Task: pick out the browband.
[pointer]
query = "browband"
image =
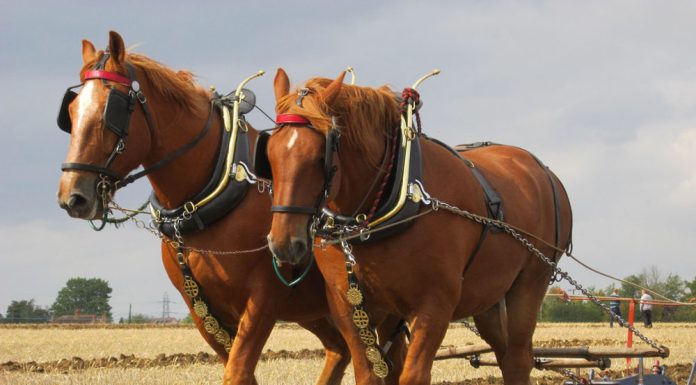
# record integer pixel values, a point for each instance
(291, 119)
(106, 75)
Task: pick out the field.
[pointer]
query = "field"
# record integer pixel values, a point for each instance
(178, 355)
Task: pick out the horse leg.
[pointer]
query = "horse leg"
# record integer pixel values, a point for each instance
(428, 329)
(336, 349)
(254, 328)
(492, 325)
(523, 302)
(389, 332)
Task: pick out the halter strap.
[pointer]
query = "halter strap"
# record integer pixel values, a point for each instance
(291, 119)
(107, 75)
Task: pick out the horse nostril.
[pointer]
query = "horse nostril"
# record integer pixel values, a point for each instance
(299, 247)
(76, 200)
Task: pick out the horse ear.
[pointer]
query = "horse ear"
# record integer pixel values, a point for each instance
(88, 51)
(329, 93)
(116, 47)
(281, 84)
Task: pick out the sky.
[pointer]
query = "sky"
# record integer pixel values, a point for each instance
(604, 92)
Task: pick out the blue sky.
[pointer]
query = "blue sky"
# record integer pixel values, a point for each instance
(603, 92)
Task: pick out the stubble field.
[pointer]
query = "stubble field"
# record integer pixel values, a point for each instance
(178, 355)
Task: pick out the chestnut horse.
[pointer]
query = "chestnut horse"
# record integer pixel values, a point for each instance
(420, 274)
(240, 289)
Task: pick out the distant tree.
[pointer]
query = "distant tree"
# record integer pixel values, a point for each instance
(140, 319)
(87, 295)
(187, 320)
(26, 312)
(692, 288)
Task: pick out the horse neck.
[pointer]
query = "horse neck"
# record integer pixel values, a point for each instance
(359, 167)
(184, 176)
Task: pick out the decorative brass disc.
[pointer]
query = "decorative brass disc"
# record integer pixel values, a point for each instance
(190, 287)
(360, 318)
(354, 295)
(200, 308)
(373, 354)
(367, 337)
(223, 337)
(380, 369)
(211, 325)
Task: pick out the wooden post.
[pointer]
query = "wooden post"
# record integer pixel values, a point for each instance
(629, 338)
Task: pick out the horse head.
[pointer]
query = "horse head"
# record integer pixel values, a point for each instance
(108, 132)
(303, 170)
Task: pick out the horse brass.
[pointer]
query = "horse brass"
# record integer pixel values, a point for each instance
(190, 287)
(354, 295)
(367, 337)
(211, 325)
(380, 369)
(200, 308)
(373, 355)
(360, 318)
(223, 338)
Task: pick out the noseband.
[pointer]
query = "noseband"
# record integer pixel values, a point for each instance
(329, 167)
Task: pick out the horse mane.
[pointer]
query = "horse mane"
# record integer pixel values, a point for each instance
(365, 115)
(176, 87)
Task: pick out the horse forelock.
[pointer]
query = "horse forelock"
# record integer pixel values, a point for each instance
(175, 87)
(365, 115)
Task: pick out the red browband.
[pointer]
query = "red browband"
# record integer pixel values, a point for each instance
(106, 75)
(291, 119)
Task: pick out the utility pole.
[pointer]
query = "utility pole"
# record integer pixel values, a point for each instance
(130, 306)
(165, 306)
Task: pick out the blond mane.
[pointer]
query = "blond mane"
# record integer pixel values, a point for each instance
(365, 115)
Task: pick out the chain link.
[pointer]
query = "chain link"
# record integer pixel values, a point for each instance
(153, 229)
(471, 327)
(437, 204)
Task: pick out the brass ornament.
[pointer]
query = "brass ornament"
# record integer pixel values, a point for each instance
(240, 175)
(190, 287)
(354, 295)
(211, 325)
(373, 354)
(416, 194)
(367, 337)
(360, 318)
(223, 338)
(200, 308)
(380, 368)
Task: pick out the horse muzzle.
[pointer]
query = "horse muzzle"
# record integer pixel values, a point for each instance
(78, 198)
(292, 252)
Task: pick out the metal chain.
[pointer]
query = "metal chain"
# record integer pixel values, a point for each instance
(152, 228)
(437, 204)
(471, 327)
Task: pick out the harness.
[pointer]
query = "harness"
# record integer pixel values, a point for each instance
(226, 188)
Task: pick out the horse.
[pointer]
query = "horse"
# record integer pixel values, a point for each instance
(176, 137)
(331, 150)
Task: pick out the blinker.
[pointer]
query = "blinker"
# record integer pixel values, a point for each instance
(64, 122)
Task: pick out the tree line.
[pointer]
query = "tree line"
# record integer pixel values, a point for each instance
(79, 295)
(555, 309)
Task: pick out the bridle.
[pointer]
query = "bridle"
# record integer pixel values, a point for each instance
(117, 113)
(330, 168)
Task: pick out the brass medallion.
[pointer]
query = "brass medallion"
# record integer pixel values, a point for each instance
(373, 354)
(211, 325)
(223, 337)
(380, 368)
(367, 337)
(360, 318)
(190, 287)
(354, 295)
(200, 308)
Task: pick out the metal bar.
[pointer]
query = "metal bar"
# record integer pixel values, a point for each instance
(599, 352)
(555, 363)
(692, 374)
(589, 353)
(461, 352)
